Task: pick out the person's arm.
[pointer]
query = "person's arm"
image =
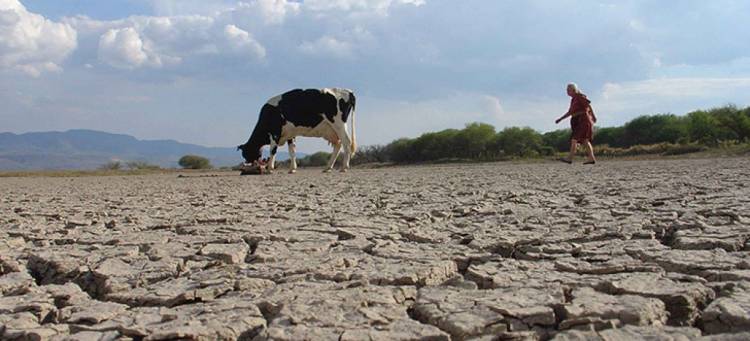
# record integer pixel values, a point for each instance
(571, 114)
(563, 117)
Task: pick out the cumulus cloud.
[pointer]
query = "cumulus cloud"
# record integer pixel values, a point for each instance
(188, 7)
(241, 42)
(156, 42)
(673, 88)
(232, 31)
(124, 48)
(31, 43)
(271, 11)
(377, 6)
(493, 106)
(328, 46)
(343, 45)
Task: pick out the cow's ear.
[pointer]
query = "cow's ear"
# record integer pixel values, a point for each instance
(240, 146)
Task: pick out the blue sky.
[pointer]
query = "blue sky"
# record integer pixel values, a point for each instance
(198, 71)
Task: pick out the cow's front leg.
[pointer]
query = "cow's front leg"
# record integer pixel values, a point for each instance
(272, 159)
(334, 156)
(292, 157)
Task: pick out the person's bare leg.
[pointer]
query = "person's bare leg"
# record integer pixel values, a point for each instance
(590, 150)
(573, 148)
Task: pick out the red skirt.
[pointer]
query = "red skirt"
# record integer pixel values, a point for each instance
(583, 128)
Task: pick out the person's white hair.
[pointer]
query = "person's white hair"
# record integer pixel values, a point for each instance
(575, 88)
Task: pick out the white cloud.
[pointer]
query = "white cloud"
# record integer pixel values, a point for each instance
(220, 29)
(241, 42)
(274, 10)
(124, 48)
(343, 45)
(183, 7)
(156, 42)
(30, 43)
(672, 88)
(377, 6)
(328, 46)
(271, 11)
(493, 106)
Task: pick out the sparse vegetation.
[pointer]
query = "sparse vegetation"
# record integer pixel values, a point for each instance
(112, 165)
(724, 130)
(134, 165)
(653, 149)
(194, 162)
(319, 159)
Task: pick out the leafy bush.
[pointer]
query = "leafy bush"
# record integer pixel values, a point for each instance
(402, 151)
(194, 162)
(141, 165)
(518, 142)
(473, 142)
(646, 130)
(371, 154)
(612, 136)
(558, 139)
(318, 159)
(112, 165)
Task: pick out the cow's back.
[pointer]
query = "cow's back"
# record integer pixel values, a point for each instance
(303, 107)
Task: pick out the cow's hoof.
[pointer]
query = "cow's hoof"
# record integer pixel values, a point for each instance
(344, 170)
(292, 171)
(327, 170)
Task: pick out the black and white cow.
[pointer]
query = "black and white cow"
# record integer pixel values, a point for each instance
(311, 112)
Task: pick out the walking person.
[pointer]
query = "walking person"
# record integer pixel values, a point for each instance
(582, 121)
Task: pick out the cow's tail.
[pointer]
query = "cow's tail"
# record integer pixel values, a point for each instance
(354, 137)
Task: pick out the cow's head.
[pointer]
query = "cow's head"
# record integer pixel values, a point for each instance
(250, 153)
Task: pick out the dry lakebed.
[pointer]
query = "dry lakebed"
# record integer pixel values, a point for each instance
(622, 250)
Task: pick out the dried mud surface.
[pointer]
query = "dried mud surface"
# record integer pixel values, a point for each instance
(622, 250)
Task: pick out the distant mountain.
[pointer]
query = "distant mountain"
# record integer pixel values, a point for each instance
(89, 149)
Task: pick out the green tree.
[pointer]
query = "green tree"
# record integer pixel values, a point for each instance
(518, 142)
(611, 136)
(194, 162)
(371, 154)
(558, 139)
(401, 150)
(647, 130)
(473, 142)
(734, 123)
(435, 146)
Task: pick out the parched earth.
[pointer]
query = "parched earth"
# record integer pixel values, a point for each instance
(622, 250)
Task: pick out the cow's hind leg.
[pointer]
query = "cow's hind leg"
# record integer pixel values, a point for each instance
(272, 159)
(292, 157)
(346, 143)
(334, 156)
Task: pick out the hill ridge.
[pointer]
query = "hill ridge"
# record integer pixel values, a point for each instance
(90, 149)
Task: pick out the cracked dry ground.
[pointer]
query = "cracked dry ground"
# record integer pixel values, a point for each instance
(622, 250)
